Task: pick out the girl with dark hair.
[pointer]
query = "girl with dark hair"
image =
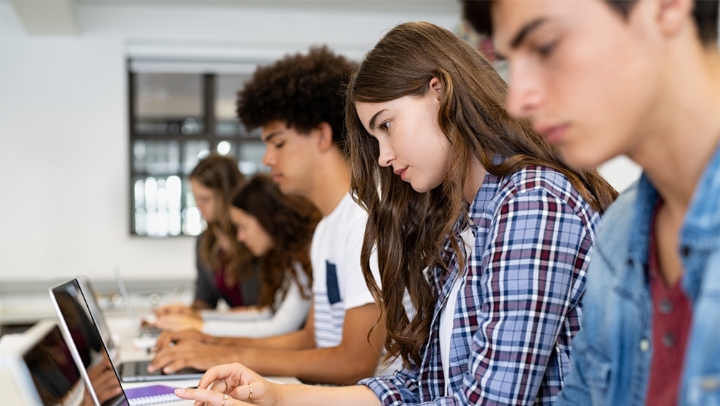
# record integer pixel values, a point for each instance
(474, 216)
(225, 268)
(277, 230)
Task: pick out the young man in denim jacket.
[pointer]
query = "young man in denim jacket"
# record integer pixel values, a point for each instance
(602, 78)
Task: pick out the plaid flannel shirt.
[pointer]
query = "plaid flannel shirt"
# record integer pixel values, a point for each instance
(518, 307)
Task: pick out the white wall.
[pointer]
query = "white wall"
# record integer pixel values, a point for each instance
(64, 135)
(64, 131)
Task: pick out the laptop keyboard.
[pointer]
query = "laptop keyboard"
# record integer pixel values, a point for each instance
(139, 368)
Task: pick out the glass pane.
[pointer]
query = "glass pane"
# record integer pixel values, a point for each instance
(168, 103)
(227, 128)
(156, 157)
(230, 128)
(193, 152)
(192, 223)
(250, 158)
(227, 148)
(157, 206)
(226, 90)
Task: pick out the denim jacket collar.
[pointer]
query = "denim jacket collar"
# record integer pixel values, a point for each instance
(699, 233)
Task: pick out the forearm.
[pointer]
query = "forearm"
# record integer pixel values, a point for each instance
(298, 340)
(306, 395)
(334, 365)
(252, 329)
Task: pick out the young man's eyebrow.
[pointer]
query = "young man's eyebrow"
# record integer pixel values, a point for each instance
(374, 118)
(520, 37)
(270, 136)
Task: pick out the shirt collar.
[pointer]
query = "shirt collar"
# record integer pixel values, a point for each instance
(701, 226)
(484, 196)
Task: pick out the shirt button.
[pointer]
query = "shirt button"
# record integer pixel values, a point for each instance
(665, 306)
(668, 340)
(644, 345)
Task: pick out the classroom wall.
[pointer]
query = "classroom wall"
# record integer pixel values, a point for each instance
(63, 124)
(64, 132)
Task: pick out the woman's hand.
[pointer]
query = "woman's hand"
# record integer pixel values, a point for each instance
(241, 385)
(178, 322)
(173, 338)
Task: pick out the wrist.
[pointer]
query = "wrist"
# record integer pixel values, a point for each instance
(239, 355)
(236, 341)
(279, 393)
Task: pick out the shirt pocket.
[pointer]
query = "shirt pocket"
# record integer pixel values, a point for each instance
(704, 391)
(597, 376)
(331, 279)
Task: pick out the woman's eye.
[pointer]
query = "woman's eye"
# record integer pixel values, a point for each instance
(385, 126)
(546, 50)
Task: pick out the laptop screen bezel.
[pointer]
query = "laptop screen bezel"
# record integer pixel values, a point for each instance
(71, 342)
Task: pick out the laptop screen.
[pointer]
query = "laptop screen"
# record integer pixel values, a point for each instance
(87, 345)
(53, 370)
(95, 312)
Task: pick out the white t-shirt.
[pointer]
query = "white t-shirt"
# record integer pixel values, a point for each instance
(338, 282)
(447, 314)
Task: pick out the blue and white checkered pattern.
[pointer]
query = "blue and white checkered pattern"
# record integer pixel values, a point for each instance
(519, 303)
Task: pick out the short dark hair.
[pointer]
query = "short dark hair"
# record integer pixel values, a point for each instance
(705, 14)
(302, 90)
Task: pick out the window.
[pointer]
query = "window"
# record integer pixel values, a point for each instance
(176, 119)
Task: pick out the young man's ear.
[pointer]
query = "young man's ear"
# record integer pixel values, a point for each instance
(674, 15)
(325, 139)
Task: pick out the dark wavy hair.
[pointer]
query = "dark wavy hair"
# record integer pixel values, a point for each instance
(705, 15)
(290, 221)
(302, 90)
(221, 174)
(408, 228)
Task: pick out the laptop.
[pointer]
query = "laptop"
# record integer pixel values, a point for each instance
(38, 365)
(146, 331)
(45, 371)
(86, 343)
(96, 313)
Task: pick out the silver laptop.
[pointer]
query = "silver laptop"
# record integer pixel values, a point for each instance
(96, 313)
(41, 368)
(86, 343)
(146, 330)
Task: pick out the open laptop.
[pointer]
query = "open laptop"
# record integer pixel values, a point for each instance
(146, 330)
(39, 367)
(96, 313)
(87, 345)
(47, 374)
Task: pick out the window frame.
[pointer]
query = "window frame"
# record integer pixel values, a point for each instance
(209, 134)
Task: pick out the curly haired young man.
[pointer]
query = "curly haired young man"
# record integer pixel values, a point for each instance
(298, 103)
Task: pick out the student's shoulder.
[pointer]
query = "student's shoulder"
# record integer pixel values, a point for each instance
(346, 222)
(349, 213)
(618, 218)
(540, 180)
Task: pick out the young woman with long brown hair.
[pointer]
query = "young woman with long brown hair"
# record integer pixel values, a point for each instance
(473, 215)
(225, 268)
(277, 230)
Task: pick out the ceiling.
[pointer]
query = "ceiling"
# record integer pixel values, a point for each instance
(58, 16)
